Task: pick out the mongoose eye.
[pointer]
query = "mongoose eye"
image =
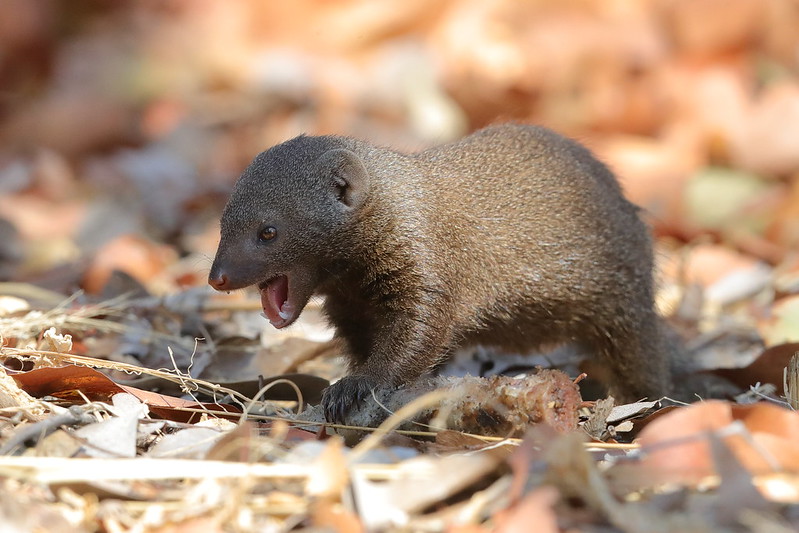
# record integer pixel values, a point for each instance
(267, 234)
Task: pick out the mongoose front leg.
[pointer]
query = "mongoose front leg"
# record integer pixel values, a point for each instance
(402, 348)
(345, 394)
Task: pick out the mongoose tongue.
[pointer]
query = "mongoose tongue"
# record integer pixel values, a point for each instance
(274, 300)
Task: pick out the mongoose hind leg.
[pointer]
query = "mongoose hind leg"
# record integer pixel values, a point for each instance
(633, 353)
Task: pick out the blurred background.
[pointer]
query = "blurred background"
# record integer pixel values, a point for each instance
(124, 124)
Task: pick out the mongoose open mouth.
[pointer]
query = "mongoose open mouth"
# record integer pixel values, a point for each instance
(275, 302)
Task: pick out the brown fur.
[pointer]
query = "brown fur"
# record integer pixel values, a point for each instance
(514, 236)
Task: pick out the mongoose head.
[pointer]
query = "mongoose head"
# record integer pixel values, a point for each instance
(284, 222)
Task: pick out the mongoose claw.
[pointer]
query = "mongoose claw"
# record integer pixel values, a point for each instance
(340, 397)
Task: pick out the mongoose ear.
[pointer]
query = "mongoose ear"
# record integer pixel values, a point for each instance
(348, 177)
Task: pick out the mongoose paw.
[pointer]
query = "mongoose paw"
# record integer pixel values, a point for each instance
(343, 395)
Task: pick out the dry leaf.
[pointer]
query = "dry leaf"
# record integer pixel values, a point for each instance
(677, 447)
(535, 508)
(65, 382)
(140, 258)
(768, 367)
(330, 473)
(116, 435)
(783, 324)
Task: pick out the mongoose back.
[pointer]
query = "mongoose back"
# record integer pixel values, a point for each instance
(514, 236)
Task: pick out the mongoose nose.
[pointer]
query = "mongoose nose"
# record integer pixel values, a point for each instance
(219, 282)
